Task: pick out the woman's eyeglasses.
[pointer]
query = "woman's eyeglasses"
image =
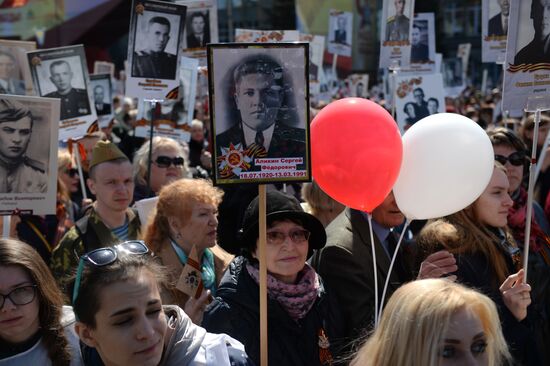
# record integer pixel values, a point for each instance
(165, 161)
(278, 237)
(71, 172)
(105, 256)
(517, 158)
(19, 296)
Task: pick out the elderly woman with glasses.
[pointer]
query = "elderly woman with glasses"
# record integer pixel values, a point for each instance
(168, 163)
(303, 328)
(121, 319)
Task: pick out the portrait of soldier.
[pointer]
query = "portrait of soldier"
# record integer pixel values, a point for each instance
(9, 83)
(74, 102)
(419, 50)
(199, 34)
(260, 97)
(538, 50)
(153, 61)
(18, 172)
(340, 32)
(397, 26)
(99, 97)
(498, 24)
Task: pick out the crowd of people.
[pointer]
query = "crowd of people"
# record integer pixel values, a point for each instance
(96, 284)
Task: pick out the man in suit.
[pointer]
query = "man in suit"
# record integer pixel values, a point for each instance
(340, 32)
(260, 91)
(153, 62)
(101, 108)
(498, 24)
(420, 105)
(538, 50)
(397, 26)
(74, 102)
(199, 35)
(345, 263)
(9, 85)
(419, 51)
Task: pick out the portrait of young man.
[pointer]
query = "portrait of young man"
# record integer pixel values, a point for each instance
(419, 50)
(538, 50)
(153, 61)
(101, 107)
(340, 34)
(397, 26)
(198, 30)
(9, 81)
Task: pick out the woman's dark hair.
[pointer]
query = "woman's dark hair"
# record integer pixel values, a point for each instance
(94, 279)
(50, 297)
(506, 137)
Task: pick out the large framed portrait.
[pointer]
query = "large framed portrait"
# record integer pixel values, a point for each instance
(63, 73)
(154, 49)
(259, 100)
(29, 185)
(494, 29)
(527, 55)
(340, 32)
(15, 74)
(101, 87)
(396, 27)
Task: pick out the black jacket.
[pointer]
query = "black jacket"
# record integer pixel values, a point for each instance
(235, 311)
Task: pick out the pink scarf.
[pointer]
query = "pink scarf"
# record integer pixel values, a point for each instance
(297, 299)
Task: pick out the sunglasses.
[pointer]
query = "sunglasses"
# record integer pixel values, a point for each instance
(105, 256)
(517, 158)
(165, 161)
(19, 296)
(71, 172)
(278, 237)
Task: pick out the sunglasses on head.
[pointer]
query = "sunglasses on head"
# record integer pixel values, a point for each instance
(165, 161)
(105, 256)
(71, 172)
(517, 158)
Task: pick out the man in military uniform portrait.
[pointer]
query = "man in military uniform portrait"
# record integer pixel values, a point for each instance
(153, 62)
(419, 50)
(101, 107)
(18, 172)
(74, 102)
(397, 26)
(260, 89)
(9, 84)
(340, 35)
(199, 35)
(538, 50)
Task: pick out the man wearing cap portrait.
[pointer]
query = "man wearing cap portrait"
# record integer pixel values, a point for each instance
(18, 172)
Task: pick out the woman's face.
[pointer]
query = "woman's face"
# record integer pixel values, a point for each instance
(513, 172)
(465, 342)
(410, 110)
(286, 259)
(161, 175)
(130, 323)
(201, 228)
(491, 208)
(69, 177)
(18, 322)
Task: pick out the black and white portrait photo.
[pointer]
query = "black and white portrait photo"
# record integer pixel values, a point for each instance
(396, 27)
(340, 32)
(15, 76)
(398, 20)
(197, 29)
(420, 52)
(533, 46)
(101, 87)
(28, 148)
(259, 100)
(498, 23)
(495, 17)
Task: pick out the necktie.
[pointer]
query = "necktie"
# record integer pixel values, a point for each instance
(259, 139)
(505, 25)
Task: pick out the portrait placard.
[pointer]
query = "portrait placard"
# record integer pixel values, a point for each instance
(15, 73)
(104, 67)
(100, 85)
(422, 46)
(260, 112)
(29, 185)
(396, 27)
(453, 76)
(63, 73)
(201, 26)
(259, 36)
(527, 54)
(495, 19)
(316, 51)
(359, 85)
(340, 32)
(418, 97)
(154, 49)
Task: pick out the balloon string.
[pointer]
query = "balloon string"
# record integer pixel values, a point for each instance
(407, 222)
(375, 270)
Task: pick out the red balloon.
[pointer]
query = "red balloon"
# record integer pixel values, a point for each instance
(356, 152)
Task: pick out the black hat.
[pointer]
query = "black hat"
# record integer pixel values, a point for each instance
(280, 206)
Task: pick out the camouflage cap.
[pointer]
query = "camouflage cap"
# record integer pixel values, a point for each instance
(12, 110)
(106, 151)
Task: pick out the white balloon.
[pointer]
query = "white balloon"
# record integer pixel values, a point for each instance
(447, 163)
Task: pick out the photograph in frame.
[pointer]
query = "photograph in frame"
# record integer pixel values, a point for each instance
(396, 27)
(495, 20)
(527, 55)
(100, 85)
(63, 73)
(15, 74)
(201, 26)
(359, 85)
(154, 49)
(340, 32)
(422, 60)
(260, 112)
(29, 185)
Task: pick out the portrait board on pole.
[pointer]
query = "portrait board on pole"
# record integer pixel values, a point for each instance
(15, 73)
(101, 88)
(453, 76)
(396, 27)
(201, 26)
(527, 54)
(29, 184)
(358, 85)
(63, 73)
(422, 46)
(260, 112)
(495, 19)
(154, 49)
(340, 32)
